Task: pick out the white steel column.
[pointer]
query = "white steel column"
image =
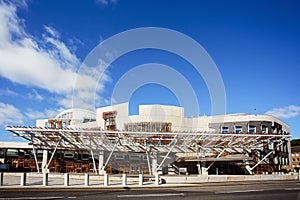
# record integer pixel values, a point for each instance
(34, 154)
(94, 163)
(101, 162)
(53, 153)
(215, 159)
(154, 163)
(148, 161)
(162, 162)
(107, 161)
(45, 161)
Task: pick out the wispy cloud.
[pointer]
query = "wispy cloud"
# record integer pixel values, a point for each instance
(52, 31)
(46, 63)
(35, 95)
(10, 115)
(106, 2)
(285, 112)
(8, 92)
(47, 113)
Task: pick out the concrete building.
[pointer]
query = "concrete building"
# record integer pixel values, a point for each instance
(295, 158)
(160, 138)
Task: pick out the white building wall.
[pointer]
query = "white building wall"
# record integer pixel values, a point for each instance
(41, 122)
(122, 115)
(175, 115)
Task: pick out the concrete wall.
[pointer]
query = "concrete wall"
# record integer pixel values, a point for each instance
(175, 115)
(226, 178)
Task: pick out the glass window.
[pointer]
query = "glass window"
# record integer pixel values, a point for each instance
(134, 157)
(119, 157)
(238, 129)
(264, 129)
(251, 129)
(224, 129)
(12, 152)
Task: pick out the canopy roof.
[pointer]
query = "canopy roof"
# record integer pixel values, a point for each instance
(160, 142)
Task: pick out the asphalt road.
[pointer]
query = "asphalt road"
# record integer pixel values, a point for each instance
(255, 190)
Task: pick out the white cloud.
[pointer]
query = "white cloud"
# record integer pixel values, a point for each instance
(48, 113)
(10, 115)
(35, 95)
(52, 31)
(25, 61)
(285, 112)
(8, 92)
(48, 63)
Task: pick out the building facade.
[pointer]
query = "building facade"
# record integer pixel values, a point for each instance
(231, 153)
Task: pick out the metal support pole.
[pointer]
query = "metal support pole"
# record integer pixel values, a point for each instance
(109, 156)
(101, 162)
(141, 179)
(67, 180)
(45, 179)
(86, 180)
(1, 178)
(23, 179)
(162, 162)
(215, 159)
(47, 166)
(35, 157)
(106, 180)
(148, 161)
(94, 163)
(154, 163)
(44, 162)
(261, 160)
(124, 180)
(156, 179)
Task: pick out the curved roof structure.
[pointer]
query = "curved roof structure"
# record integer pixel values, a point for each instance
(77, 114)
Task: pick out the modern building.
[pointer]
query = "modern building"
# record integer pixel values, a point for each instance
(159, 138)
(295, 158)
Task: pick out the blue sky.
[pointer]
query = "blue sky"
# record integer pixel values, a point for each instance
(254, 44)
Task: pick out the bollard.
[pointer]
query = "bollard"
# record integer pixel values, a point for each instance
(45, 179)
(141, 179)
(86, 179)
(23, 179)
(66, 183)
(157, 179)
(1, 178)
(124, 180)
(106, 180)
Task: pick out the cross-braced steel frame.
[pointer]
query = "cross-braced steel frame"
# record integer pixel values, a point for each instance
(204, 143)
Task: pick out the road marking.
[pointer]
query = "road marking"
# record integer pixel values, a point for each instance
(292, 189)
(150, 195)
(29, 198)
(238, 191)
(72, 197)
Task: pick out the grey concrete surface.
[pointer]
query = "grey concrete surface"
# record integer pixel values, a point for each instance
(266, 190)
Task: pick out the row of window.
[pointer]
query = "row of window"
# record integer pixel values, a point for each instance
(239, 129)
(131, 157)
(296, 159)
(149, 126)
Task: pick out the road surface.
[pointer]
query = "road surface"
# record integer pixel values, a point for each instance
(210, 191)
